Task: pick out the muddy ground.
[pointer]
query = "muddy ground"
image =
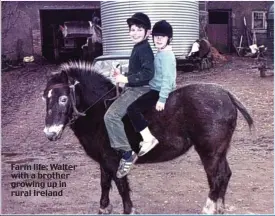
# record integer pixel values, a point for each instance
(178, 186)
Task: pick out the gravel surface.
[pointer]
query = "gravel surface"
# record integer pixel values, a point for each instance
(177, 186)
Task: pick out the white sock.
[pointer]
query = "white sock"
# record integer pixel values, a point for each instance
(146, 134)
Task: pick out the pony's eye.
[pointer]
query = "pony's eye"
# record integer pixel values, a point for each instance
(63, 99)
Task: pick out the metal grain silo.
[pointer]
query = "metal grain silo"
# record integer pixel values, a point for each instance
(183, 16)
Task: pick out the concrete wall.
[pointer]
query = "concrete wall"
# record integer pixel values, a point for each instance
(22, 30)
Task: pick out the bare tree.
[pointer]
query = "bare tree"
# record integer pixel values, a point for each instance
(10, 15)
(203, 24)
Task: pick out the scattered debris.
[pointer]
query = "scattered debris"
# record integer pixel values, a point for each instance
(28, 59)
(217, 57)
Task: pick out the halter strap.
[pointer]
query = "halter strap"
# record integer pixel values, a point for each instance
(76, 113)
(58, 85)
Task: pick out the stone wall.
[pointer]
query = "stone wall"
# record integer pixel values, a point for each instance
(241, 9)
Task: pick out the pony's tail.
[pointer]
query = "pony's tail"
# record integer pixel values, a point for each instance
(243, 110)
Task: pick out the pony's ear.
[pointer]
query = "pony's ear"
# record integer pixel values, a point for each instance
(64, 77)
(71, 80)
(67, 79)
(43, 95)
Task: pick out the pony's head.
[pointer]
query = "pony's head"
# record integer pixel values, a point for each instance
(58, 105)
(76, 86)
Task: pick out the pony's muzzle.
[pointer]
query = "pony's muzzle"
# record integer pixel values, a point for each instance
(52, 136)
(53, 132)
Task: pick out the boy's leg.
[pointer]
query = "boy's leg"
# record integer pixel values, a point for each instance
(143, 103)
(115, 127)
(115, 113)
(148, 143)
(140, 124)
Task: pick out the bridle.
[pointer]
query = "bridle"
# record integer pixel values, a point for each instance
(76, 114)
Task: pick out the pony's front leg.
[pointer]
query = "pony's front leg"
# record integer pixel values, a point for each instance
(110, 167)
(105, 182)
(124, 191)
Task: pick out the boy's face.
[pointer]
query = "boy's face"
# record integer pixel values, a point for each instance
(137, 34)
(160, 41)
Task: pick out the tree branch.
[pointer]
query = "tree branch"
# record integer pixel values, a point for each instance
(10, 16)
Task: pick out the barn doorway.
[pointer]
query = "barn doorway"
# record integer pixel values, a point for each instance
(220, 29)
(50, 20)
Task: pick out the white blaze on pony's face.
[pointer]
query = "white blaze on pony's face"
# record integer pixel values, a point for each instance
(50, 93)
(54, 129)
(58, 108)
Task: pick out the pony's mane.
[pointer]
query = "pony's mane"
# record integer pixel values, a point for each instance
(83, 72)
(92, 82)
(77, 68)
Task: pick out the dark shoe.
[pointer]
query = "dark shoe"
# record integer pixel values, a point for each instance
(126, 164)
(147, 146)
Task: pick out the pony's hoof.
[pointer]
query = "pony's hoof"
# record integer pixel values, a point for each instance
(107, 210)
(210, 207)
(220, 207)
(208, 211)
(220, 211)
(134, 211)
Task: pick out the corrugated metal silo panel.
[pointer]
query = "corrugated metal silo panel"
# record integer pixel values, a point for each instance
(182, 15)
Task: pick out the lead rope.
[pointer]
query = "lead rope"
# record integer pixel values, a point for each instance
(77, 114)
(117, 88)
(114, 98)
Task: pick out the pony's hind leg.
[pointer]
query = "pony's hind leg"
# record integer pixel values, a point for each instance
(105, 182)
(225, 177)
(218, 175)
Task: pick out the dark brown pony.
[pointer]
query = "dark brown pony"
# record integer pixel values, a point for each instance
(203, 115)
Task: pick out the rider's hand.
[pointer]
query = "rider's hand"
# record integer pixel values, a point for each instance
(116, 72)
(160, 106)
(121, 79)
